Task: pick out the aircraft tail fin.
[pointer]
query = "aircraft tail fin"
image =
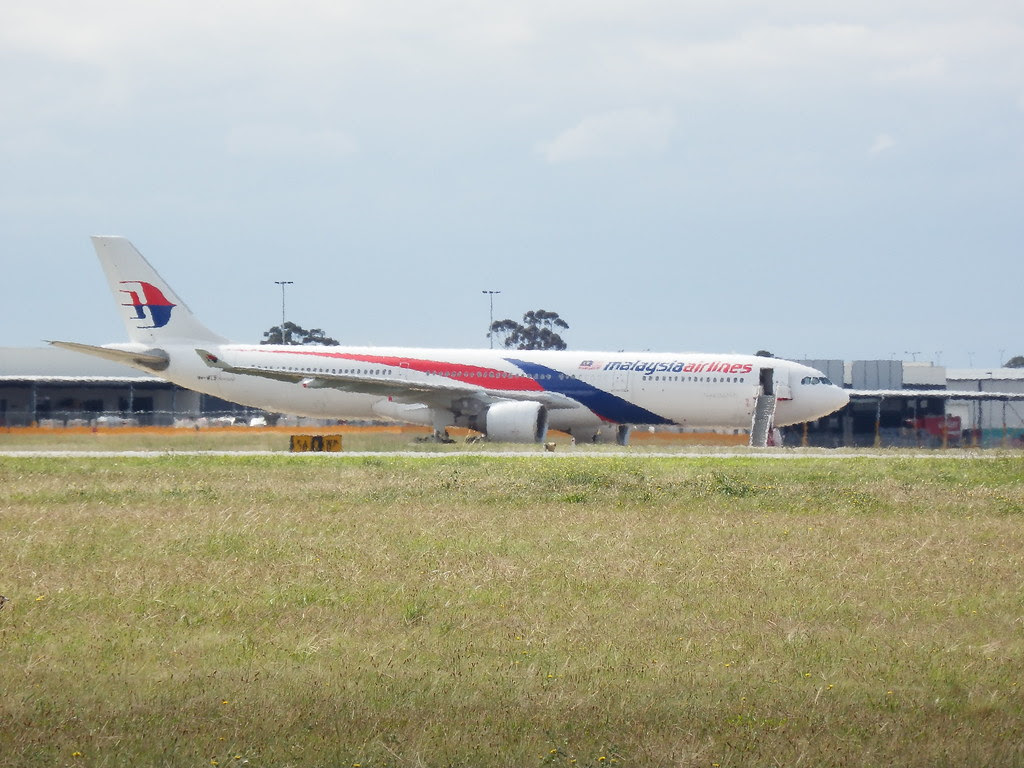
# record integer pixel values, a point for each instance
(151, 310)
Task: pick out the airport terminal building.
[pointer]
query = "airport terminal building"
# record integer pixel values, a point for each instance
(909, 405)
(56, 387)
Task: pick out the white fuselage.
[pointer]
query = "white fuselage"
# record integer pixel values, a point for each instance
(688, 390)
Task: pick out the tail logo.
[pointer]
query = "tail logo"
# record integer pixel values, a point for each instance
(151, 298)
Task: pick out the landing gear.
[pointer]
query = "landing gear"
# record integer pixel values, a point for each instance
(617, 433)
(438, 436)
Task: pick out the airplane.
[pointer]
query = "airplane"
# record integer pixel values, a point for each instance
(507, 395)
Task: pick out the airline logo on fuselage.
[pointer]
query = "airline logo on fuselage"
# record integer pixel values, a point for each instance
(151, 299)
(648, 368)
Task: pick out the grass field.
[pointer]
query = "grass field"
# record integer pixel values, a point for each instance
(469, 611)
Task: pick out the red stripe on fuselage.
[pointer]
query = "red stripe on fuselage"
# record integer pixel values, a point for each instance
(489, 378)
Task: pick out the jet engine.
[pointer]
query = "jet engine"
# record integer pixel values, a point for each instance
(516, 422)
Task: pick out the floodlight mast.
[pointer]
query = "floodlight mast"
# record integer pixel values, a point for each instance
(283, 283)
(490, 333)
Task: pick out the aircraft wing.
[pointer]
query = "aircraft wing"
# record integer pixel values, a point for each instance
(438, 392)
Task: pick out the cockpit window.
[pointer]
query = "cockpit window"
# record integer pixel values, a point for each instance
(816, 380)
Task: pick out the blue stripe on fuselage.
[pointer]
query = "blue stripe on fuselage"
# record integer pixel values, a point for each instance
(606, 405)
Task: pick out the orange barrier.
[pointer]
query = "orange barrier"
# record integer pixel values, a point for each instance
(241, 429)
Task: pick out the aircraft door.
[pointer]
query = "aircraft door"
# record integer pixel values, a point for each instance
(783, 390)
(775, 382)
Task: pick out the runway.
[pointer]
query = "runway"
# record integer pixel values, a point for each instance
(757, 454)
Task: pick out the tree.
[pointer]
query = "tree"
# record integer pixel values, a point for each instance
(1017, 361)
(763, 353)
(296, 335)
(537, 331)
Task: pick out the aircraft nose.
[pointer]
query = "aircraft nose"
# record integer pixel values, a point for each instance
(840, 397)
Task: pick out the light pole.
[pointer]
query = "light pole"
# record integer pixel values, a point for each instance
(490, 295)
(283, 283)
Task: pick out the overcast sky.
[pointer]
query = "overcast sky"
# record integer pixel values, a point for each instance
(666, 175)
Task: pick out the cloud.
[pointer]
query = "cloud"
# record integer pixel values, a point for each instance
(976, 52)
(290, 141)
(883, 143)
(619, 133)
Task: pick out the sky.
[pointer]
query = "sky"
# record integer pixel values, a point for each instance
(822, 180)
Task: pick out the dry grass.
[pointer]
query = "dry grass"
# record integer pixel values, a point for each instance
(471, 611)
